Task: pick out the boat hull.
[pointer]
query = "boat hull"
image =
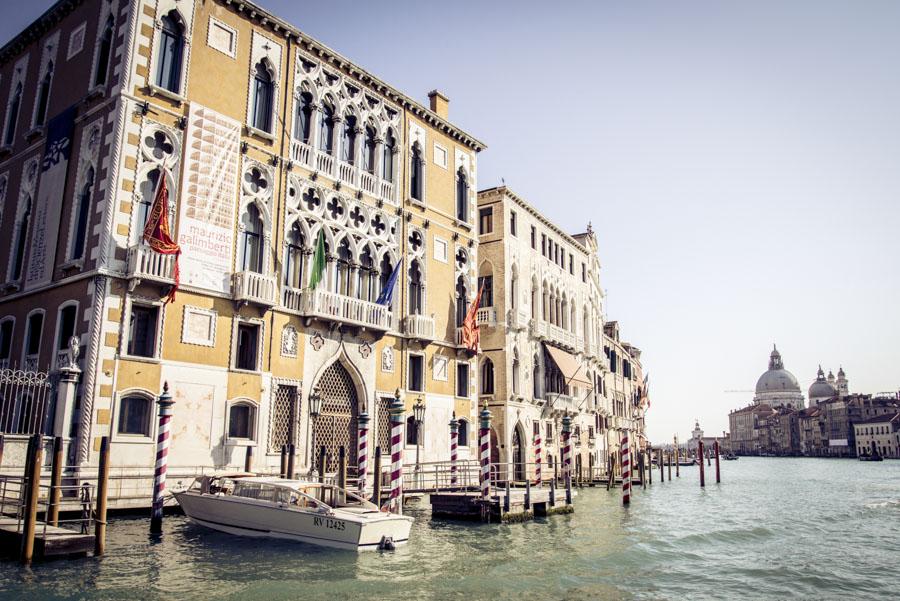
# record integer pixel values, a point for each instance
(246, 517)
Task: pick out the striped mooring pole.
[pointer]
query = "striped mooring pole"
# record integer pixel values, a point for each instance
(454, 441)
(626, 469)
(538, 480)
(165, 403)
(567, 445)
(395, 503)
(362, 453)
(485, 449)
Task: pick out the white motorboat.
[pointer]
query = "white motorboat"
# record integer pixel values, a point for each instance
(320, 514)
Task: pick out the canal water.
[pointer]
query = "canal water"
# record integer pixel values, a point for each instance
(774, 529)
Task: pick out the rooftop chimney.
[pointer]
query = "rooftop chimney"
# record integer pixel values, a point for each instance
(438, 103)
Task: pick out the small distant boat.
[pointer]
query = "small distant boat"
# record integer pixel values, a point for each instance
(729, 457)
(875, 457)
(320, 514)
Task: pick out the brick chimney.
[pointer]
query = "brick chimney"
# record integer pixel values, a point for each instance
(438, 103)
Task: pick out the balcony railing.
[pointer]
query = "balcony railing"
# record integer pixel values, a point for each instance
(146, 264)
(331, 306)
(562, 403)
(486, 316)
(252, 287)
(419, 326)
(351, 175)
(31, 363)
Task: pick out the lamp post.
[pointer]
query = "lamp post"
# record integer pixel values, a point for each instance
(315, 408)
(419, 416)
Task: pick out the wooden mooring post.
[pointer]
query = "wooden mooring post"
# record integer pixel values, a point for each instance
(32, 490)
(102, 493)
(650, 466)
(677, 470)
(718, 475)
(283, 468)
(248, 460)
(527, 494)
(669, 456)
(609, 472)
(342, 467)
(292, 454)
(700, 460)
(568, 489)
(2, 442)
(376, 478)
(661, 458)
(55, 482)
(643, 456)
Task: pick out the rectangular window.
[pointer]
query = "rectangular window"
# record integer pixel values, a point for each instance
(536, 430)
(543, 245)
(416, 373)
(512, 223)
(462, 379)
(142, 331)
(487, 297)
(485, 220)
(572, 264)
(6, 331)
(247, 347)
(583, 272)
(549, 432)
(134, 415)
(533, 238)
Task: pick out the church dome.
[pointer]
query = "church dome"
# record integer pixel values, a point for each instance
(777, 378)
(821, 389)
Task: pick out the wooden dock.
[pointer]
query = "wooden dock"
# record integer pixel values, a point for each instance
(522, 505)
(49, 541)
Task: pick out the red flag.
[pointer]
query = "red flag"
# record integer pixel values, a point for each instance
(471, 335)
(157, 233)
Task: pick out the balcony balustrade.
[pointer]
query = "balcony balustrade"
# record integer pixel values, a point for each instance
(302, 153)
(252, 287)
(420, 327)
(486, 316)
(350, 175)
(145, 264)
(347, 173)
(330, 306)
(562, 403)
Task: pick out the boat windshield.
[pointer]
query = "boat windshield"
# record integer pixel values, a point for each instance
(335, 496)
(308, 496)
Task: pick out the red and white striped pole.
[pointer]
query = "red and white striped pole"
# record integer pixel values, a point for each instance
(454, 441)
(165, 403)
(538, 480)
(397, 409)
(626, 469)
(362, 453)
(485, 449)
(567, 444)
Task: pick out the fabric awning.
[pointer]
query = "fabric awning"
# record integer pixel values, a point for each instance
(568, 365)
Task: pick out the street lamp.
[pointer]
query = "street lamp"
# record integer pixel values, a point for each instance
(419, 417)
(315, 408)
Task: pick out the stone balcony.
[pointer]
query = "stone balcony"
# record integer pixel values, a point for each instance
(516, 319)
(256, 288)
(486, 316)
(145, 264)
(562, 403)
(330, 306)
(419, 327)
(349, 175)
(550, 333)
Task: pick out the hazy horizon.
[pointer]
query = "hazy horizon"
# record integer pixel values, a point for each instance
(737, 161)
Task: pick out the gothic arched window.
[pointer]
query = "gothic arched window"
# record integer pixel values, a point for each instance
(147, 190)
(369, 154)
(390, 144)
(462, 301)
(342, 283)
(40, 114)
(365, 281)
(21, 238)
(12, 115)
(293, 258)
(348, 143)
(462, 195)
(303, 120)
(385, 268)
(263, 95)
(416, 288)
(251, 240)
(171, 50)
(81, 221)
(326, 129)
(104, 52)
(416, 173)
(487, 377)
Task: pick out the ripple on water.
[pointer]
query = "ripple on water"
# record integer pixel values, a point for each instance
(775, 529)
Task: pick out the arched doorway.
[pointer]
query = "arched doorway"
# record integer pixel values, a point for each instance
(336, 425)
(518, 454)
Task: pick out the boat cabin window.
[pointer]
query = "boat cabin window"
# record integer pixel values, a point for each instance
(262, 492)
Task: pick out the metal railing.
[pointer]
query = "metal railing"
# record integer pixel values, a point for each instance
(26, 401)
(78, 501)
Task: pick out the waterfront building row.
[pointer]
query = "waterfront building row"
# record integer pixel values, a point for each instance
(267, 142)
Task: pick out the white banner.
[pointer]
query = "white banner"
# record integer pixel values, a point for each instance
(209, 192)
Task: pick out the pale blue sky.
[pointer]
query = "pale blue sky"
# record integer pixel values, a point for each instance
(739, 162)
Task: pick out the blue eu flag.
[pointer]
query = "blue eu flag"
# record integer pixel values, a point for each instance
(387, 293)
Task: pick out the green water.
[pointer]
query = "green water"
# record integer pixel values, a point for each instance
(774, 529)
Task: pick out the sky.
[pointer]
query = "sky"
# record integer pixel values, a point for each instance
(738, 162)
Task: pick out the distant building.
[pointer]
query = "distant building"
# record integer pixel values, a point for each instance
(881, 432)
(825, 388)
(809, 430)
(777, 386)
(708, 441)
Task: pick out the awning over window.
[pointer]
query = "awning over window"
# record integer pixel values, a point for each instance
(568, 365)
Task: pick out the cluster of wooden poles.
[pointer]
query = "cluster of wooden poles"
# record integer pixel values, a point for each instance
(665, 459)
(31, 493)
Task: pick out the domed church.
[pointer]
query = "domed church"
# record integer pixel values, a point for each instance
(825, 388)
(777, 386)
